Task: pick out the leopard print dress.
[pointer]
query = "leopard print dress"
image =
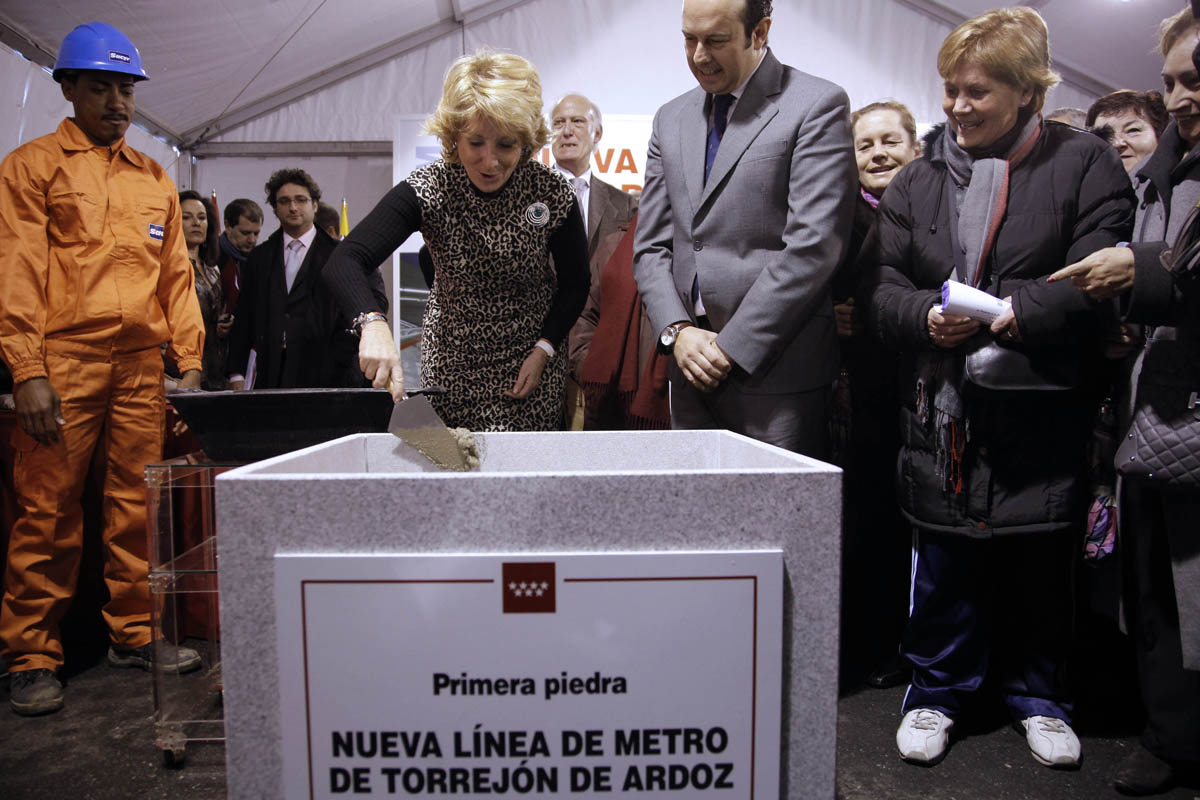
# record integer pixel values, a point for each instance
(494, 285)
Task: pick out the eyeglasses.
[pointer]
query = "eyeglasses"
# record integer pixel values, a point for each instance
(293, 201)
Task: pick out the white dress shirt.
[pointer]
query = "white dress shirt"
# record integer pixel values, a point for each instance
(582, 190)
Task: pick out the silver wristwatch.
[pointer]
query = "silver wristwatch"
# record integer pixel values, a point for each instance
(666, 339)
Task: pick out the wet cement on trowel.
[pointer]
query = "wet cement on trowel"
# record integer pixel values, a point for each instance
(459, 452)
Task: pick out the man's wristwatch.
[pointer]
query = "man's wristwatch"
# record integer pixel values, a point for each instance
(666, 339)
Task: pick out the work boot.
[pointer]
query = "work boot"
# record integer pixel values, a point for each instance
(892, 672)
(171, 657)
(34, 691)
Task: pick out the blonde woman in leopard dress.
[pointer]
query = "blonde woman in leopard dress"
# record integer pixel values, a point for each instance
(509, 249)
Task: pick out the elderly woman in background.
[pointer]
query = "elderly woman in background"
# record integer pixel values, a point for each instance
(995, 417)
(509, 249)
(875, 546)
(1158, 532)
(200, 233)
(1131, 122)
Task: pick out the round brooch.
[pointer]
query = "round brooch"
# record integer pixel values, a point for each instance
(538, 214)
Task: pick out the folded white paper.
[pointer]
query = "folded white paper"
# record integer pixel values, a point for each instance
(959, 298)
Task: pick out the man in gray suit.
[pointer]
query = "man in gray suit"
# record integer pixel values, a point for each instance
(578, 126)
(744, 218)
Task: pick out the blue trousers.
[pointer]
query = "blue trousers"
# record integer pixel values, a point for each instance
(1001, 605)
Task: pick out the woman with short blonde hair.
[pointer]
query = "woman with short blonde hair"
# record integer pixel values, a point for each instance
(501, 87)
(994, 414)
(907, 121)
(864, 424)
(509, 251)
(1010, 44)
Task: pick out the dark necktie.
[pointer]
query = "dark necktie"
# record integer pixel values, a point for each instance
(721, 104)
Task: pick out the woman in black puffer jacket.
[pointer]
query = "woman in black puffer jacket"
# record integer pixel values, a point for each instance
(1159, 539)
(994, 418)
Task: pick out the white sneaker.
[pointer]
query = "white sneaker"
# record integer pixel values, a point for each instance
(1052, 741)
(923, 735)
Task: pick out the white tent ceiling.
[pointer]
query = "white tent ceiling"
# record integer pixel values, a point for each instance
(219, 64)
(1110, 41)
(235, 59)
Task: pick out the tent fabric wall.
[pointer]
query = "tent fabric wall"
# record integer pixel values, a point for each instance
(37, 106)
(361, 108)
(627, 55)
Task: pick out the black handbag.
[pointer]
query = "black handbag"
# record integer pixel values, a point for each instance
(1162, 447)
(993, 366)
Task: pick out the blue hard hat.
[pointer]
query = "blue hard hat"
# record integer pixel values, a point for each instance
(100, 47)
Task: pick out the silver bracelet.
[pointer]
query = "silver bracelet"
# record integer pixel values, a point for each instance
(356, 325)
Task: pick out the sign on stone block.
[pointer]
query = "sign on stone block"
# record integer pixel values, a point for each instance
(550, 675)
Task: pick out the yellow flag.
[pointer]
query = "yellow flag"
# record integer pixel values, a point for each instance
(344, 225)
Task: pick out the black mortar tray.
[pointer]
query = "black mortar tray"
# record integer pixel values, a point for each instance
(246, 426)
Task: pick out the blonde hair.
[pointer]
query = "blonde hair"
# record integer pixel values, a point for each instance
(1011, 45)
(906, 118)
(502, 88)
(1174, 28)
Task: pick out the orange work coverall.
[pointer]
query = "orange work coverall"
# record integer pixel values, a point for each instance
(95, 277)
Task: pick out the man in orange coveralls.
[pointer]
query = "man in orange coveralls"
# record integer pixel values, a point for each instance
(96, 278)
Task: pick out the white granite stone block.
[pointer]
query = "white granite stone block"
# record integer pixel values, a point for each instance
(534, 492)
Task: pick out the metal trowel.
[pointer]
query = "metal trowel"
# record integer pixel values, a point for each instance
(416, 424)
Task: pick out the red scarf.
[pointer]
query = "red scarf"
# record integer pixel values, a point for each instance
(617, 397)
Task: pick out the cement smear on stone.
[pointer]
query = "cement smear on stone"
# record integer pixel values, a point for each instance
(456, 451)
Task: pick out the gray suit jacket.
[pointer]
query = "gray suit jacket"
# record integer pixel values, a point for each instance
(766, 232)
(609, 212)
